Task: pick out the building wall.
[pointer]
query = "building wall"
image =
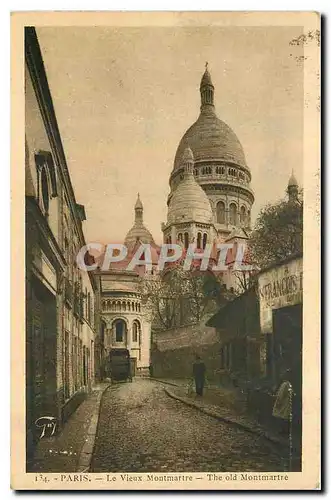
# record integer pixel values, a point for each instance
(173, 351)
(121, 300)
(60, 313)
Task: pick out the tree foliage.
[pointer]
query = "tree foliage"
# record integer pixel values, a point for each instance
(278, 233)
(180, 297)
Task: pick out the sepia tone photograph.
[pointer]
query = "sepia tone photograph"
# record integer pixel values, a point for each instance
(165, 240)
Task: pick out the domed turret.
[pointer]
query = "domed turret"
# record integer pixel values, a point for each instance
(189, 202)
(292, 181)
(293, 188)
(138, 232)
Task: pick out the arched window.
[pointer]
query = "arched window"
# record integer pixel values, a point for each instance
(119, 330)
(180, 237)
(136, 331)
(220, 212)
(199, 241)
(204, 242)
(243, 215)
(233, 214)
(169, 240)
(186, 240)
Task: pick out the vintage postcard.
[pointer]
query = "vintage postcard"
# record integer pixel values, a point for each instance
(165, 197)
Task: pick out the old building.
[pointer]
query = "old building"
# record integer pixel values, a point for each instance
(125, 323)
(241, 347)
(218, 163)
(60, 298)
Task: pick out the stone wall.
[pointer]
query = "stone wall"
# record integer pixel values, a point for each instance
(173, 352)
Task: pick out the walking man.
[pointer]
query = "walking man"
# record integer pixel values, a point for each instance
(199, 370)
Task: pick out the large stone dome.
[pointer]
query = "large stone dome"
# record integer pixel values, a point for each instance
(211, 139)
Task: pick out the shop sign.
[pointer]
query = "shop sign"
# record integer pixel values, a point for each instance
(279, 287)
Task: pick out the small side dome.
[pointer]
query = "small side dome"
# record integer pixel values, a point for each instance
(292, 181)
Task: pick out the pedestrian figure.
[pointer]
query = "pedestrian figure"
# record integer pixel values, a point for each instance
(199, 370)
(282, 408)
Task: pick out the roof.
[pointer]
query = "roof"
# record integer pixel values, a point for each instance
(138, 232)
(117, 286)
(138, 204)
(206, 79)
(211, 139)
(292, 181)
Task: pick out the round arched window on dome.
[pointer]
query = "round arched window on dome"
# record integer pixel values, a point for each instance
(220, 212)
(199, 240)
(233, 214)
(204, 241)
(186, 240)
(243, 215)
(180, 237)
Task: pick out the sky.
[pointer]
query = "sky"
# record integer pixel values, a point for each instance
(124, 97)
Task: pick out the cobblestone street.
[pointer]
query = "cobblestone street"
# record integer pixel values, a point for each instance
(141, 429)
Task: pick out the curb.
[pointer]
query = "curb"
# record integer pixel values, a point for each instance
(216, 415)
(86, 453)
(164, 382)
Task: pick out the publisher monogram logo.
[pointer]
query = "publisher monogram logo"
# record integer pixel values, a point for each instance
(47, 426)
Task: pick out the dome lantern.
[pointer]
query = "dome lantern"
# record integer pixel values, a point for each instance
(138, 232)
(293, 188)
(139, 210)
(206, 90)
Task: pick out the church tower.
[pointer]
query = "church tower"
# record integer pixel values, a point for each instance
(138, 232)
(293, 189)
(219, 168)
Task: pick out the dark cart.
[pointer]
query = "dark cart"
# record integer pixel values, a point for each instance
(120, 365)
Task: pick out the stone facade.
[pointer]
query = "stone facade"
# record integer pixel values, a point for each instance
(60, 298)
(124, 321)
(125, 324)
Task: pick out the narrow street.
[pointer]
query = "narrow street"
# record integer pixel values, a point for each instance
(141, 429)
